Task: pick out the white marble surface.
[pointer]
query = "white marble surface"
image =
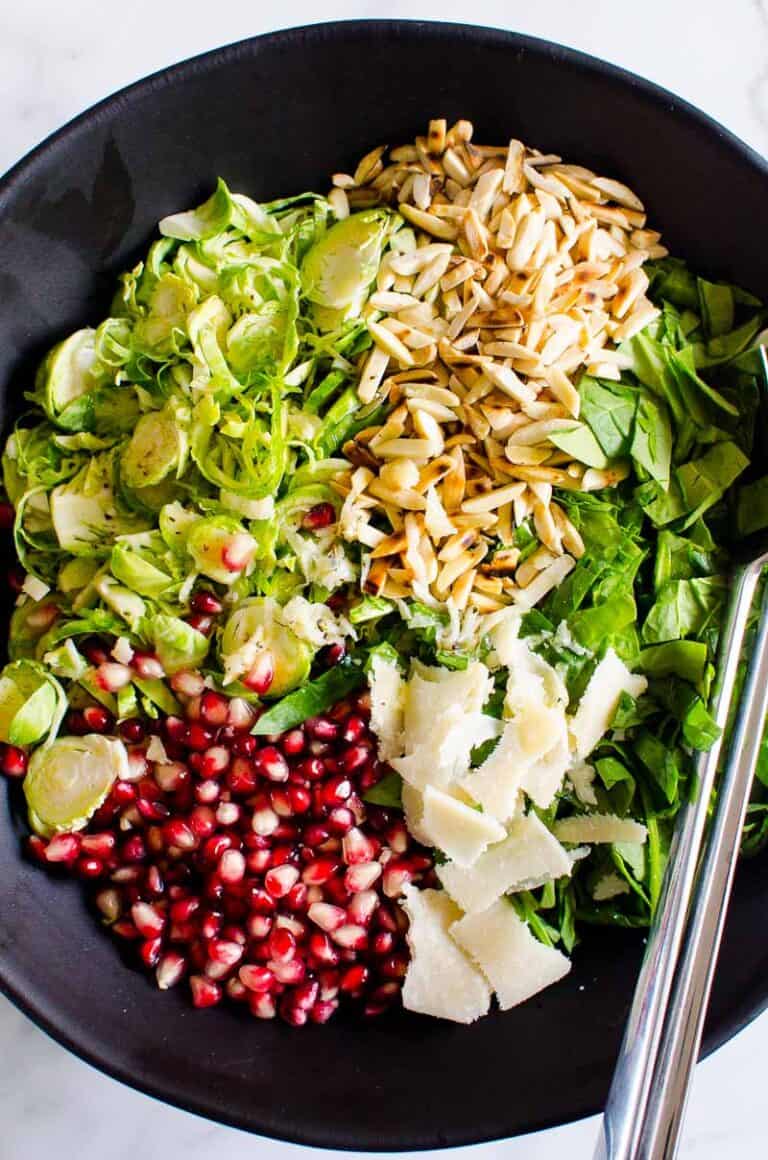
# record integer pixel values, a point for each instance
(57, 58)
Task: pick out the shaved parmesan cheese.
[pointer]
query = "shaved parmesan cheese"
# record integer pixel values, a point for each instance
(544, 777)
(459, 830)
(440, 979)
(387, 696)
(581, 777)
(609, 886)
(35, 588)
(440, 761)
(515, 963)
(597, 707)
(531, 679)
(528, 857)
(413, 808)
(598, 828)
(122, 651)
(436, 692)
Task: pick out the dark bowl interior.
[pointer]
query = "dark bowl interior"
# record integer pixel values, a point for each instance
(277, 115)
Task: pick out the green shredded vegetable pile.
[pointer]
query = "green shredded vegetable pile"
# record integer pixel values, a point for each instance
(181, 445)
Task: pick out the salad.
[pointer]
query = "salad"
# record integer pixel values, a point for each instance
(371, 560)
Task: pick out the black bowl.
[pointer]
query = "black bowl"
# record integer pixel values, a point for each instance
(277, 115)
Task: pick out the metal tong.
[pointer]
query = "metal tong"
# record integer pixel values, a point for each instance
(649, 1093)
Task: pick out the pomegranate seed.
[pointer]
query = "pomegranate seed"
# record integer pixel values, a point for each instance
(215, 761)
(184, 908)
(323, 1010)
(245, 745)
(200, 623)
(311, 769)
(329, 984)
(110, 676)
(152, 811)
(259, 861)
(147, 666)
(13, 761)
(89, 868)
(150, 951)
(228, 813)
(319, 516)
(383, 943)
(281, 803)
(147, 920)
(214, 847)
(264, 821)
(332, 653)
(224, 952)
(206, 602)
(354, 757)
(357, 848)
(109, 904)
(198, 737)
(210, 924)
(94, 651)
(317, 872)
(259, 925)
(300, 798)
(297, 898)
(270, 763)
(202, 821)
(98, 719)
(315, 835)
(75, 723)
(241, 778)
(262, 673)
(231, 866)
(125, 930)
(207, 792)
(341, 820)
(362, 876)
(255, 978)
(132, 730)
(354, 979)
(396, 877)
(282, 944)
(262, 902)
(280, 879)
(321, 729)
(362, 906)
(336, 790)
(336, 891)
(241, 715)
(238, 552)
(188, 683)
(235, 989)
(329, 918)
(290, 972)
(293, 742)
(170, 970)
(63, 848)
(323, 950)
(396, 835)
(351, 936)
(354, 729)
(214, 709)
(306, 993)
(262, 1005)
(171, 776)
(175, 729)
(205, 992)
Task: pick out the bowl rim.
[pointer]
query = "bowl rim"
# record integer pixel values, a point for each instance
(43, 1016)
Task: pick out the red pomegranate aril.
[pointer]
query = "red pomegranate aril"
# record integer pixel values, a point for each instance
(210, 924)
(215, 761)
(329, 983)
(354, 728)
(340, 820)
(336, 891)
(354, 978)
(332, 653)
(260, 676)
(321, 729)
(188, 683)
(315, 835)
(293, 742)
(228, 813)
(109, 904)
(184, 909)
(132, 730)
(198, 737)
(362, 906)
(241, 777)
(205, 992)
(13, 761)
(147, 919)
(238, 552)
(89, 868)
(396, 836)
(281, 803)
(63, 848)
(206, 602)
(98, 845)
(170, 970)
(150, 951)
(317, 872)
(311, 769)
(300, 799)
(383, 943)
(357, 848)
(98, 719)
(270, 763)
(111, 677)
(258, 861)
(323, 1010)
(125, 929)
(351, 936)
(202, 821)
(231, 867)
(355, 757)
(214, 847)
(394, 967)
(264, 821)
(152, 811)
(362, 876)
(297, 898)
(322, 515)
(282, 944)
(396, 877)
(7, 516)
(255, 978)
(175, 729)
(279, 880)
(262, 1005)
(305, 995)
(322, 949)
(214, 708)
(336, 790)
(328, 917)
(241, 715)
(258, 926)
(290, 972)
(123, 792)
(201, 623)
(147, 666)
(207, 792)
(224, 952)
(235, 990)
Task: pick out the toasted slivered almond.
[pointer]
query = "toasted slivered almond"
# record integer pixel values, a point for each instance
(339, 203)
(595, 478)
(431, 274)
(399, 473)
(454, 568)
(389, 343)
(546, 580)
(617, 192)
(513, 168)
(372, 375)
(390, 546)
(502, 563)
(564, 391)
(461, 590)
(571, 536)
(404, 498)
(526, 456)
(391, 302)
(418, 450)
(536, 432)
(459, 542)
(430, 223)
(491, 500)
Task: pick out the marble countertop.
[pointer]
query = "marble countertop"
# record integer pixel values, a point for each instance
(56, 59)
